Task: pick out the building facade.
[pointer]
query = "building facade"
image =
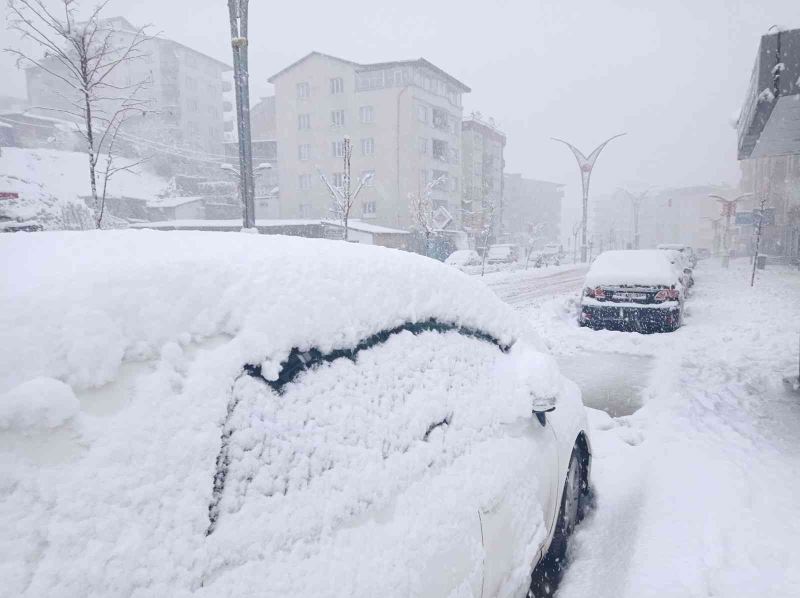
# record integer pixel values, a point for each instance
(482, 169)
(183, 95)
(532, 210)
(404, 122)
(769, 146)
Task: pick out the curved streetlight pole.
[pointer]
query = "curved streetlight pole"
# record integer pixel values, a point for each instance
(585, 164)
(728, 210)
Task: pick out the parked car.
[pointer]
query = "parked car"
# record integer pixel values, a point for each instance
(639, 290)
(463, 258)
(682, 264)
(686, 250)
(234, 415)
(502, 254)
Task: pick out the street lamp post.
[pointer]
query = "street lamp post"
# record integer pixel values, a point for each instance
(636, 200)
(585, 164)
(728, 209)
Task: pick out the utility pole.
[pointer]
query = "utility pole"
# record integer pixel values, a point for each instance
(585, 164)
(728, 210)
(762, 206)
(237, 10)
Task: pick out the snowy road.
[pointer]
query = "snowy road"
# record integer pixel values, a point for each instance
(696, 482)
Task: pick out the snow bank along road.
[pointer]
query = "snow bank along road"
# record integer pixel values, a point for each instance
(698, 488)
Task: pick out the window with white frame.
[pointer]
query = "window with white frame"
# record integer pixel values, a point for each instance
(303, 121)
(303, 90)
(337, 85)
(422, 113)
(337, 180)
(439, 150)
(368, 209)
(423, 145)
(304, 151)
(366, 114)
(337, 149)
(337, 118)
(304, 182)
(368, 146)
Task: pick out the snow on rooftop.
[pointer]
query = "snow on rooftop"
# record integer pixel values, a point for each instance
(632, 267)
(171, 202)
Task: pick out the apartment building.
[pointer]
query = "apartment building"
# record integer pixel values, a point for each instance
(184, 91)
(404, 122)
(532, 209)
(482, 163)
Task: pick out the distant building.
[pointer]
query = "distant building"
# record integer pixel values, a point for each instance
(185, 91)
(482, 166)
(769, 144)
(532, 210)
(404, 122)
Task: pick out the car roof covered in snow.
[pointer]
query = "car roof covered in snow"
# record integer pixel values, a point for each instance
(74, 304)
(632, 267)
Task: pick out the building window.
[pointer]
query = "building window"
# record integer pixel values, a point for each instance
(304, 182)
(439, 150)
(191, 83)
(303, 121)
(192, 105)
(305, 210)
(303, 90)
(337, 118)
(423, 145)
(368, 146)
(337, 85)
(304, 151)
(423, 177)
(368, 176)
(454, 155)
(366, 114)
(422, 113)
(440, 119)
(337, 149)
(440, 176)
(338, 179)
(368, 209)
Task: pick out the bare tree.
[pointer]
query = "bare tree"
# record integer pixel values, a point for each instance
(488, 213)
(421, 206)
(84, 58)
(344, 196)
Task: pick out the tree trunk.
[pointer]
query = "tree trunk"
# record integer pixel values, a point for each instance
(98, 210)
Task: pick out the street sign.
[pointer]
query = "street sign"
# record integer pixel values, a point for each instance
(8, 195)
(744, 218)
(752, 218)
(441, 218)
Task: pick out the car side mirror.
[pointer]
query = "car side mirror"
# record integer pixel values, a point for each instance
(542, 405)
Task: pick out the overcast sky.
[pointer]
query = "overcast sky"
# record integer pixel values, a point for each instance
(670, 73)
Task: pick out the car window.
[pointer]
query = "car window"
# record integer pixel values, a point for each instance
(380, 406)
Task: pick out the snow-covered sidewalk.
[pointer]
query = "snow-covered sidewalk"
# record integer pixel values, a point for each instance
(697, 491)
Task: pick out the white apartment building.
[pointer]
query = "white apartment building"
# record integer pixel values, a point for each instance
(184, 94)
(483, 163)
(404, 122)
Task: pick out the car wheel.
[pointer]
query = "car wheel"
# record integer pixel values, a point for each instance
(571, 510)
(575, 501)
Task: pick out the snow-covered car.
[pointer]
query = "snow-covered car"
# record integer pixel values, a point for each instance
(686, 250)
(222, 414)
(639, 290)
(463, 258)
(503, 253)
(681, 263)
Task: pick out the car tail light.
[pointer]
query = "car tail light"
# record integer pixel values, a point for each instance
(599, 293)
(667, 294)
